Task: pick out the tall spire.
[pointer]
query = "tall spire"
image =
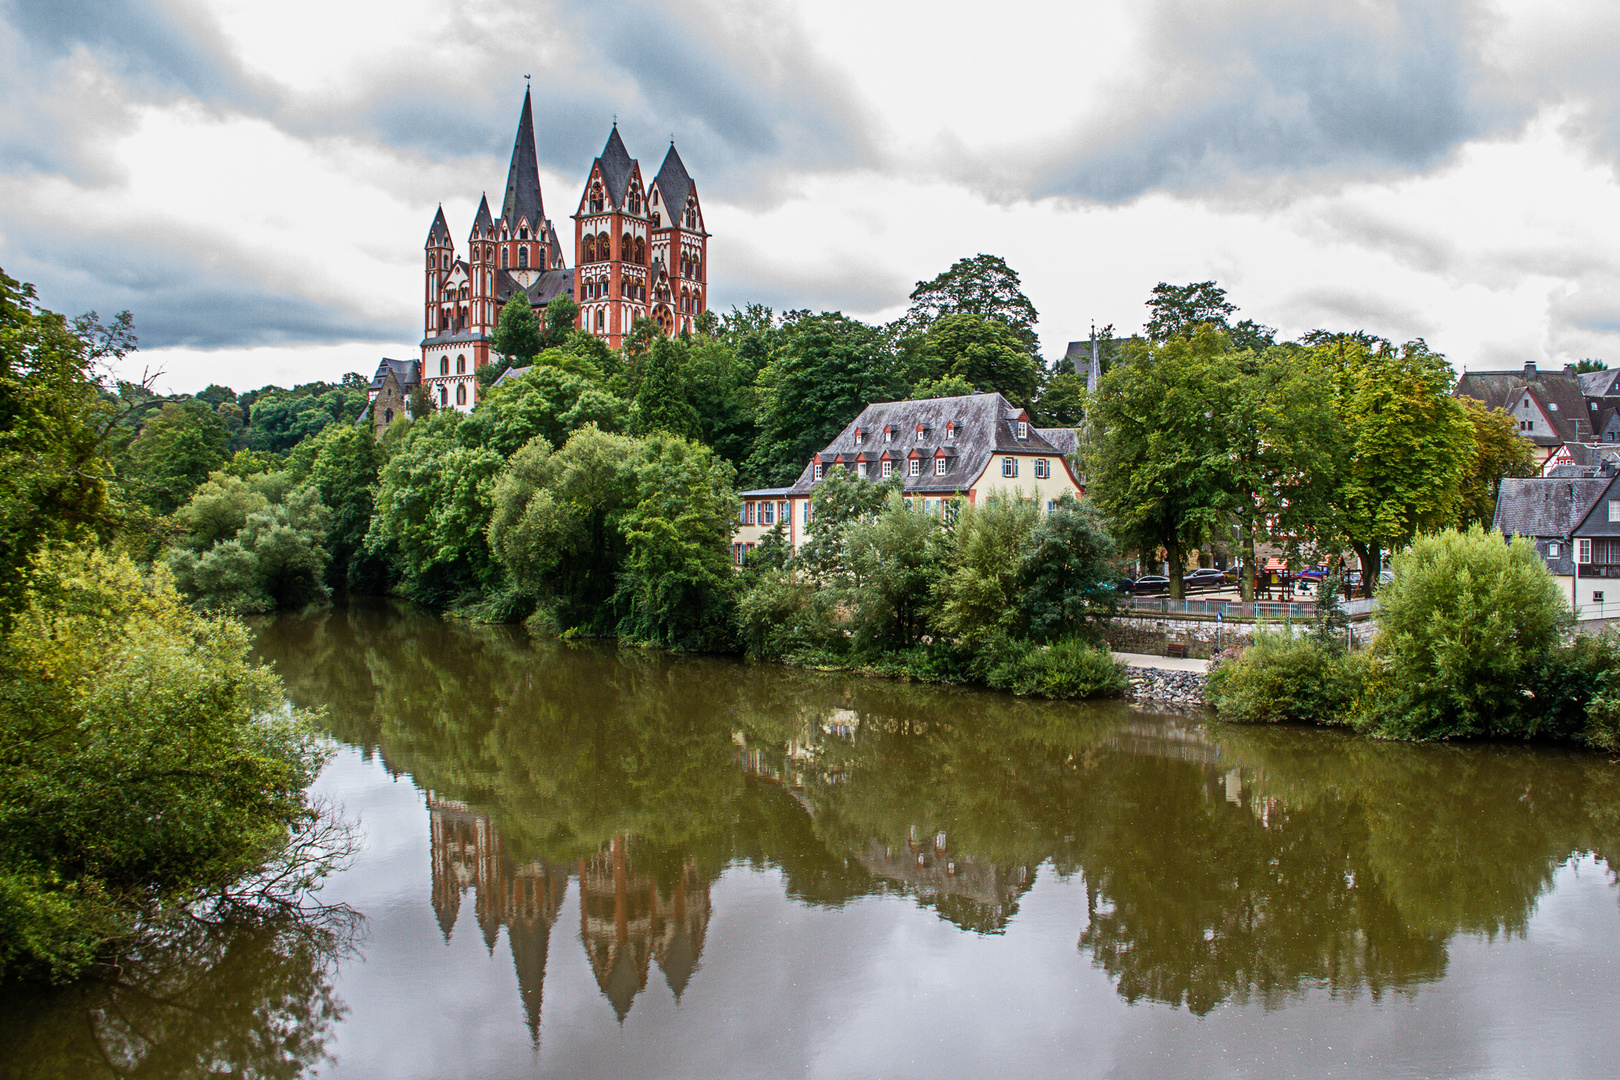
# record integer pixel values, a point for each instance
(483, 226)
(523, 178)
(439, 232)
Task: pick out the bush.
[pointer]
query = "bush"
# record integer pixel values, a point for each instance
(252, 546)
(1069, 668)
(1463, 630)
(148, 763)
(1285, 678)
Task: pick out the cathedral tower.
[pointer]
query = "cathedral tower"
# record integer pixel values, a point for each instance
(679, 248)
(610, 244)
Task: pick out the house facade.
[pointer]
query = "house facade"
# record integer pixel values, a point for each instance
(973, 447)
(1574, 522)
(1550, 408)
(389, 394)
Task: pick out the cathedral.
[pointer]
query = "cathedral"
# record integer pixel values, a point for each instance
(638, 249)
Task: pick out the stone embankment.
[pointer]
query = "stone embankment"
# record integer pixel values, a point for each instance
(1158, 686)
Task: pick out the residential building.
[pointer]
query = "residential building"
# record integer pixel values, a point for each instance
(638, 250)
(973, 447)
(388, 396)
(1550, 408)
(1575, 524)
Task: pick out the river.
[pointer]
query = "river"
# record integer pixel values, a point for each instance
(587, 861)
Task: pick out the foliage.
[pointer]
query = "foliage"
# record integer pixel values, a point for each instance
(1178, 310)
(433, 503)
(252, 545)
(1498, 451)
(1462, 628)
(1588, 365)
(979, 592)
(344, 469)
(983, 285)
(893, 563)
(839, 500)
(123, 717)
(178, 446)
(1063, 400)
(279, 420)
(54, 423)
(1067, 668)
(661, 403)
(517, 334)
(984, 353)
(822, 374)
(677, 586)
(1283, 677)
(1066, 573)
(945, 386)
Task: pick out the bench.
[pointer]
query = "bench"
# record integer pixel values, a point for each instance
(1176, 649)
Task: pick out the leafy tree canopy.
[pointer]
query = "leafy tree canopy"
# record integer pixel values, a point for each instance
(983, 353)
(983, 285)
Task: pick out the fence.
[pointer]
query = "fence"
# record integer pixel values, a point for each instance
(1234, 609)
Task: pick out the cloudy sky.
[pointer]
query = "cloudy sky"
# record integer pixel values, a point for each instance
(255, 180)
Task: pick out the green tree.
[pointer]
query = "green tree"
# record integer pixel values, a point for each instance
(983, 285)
(518, 336)
(1066, 574)
(836, 503)
(1160, 468)
(346, 465)
(148, 763)
(1063, 401)
(983, 353)
(826, 369)
(980, 593)
(177, 448)
(1463, 628)
(661, 402)
(1582, 367)
(547, 401)
(562, 319)
(677, 587)
(1177, 310)
(1499, 451)
(55, 424)
(893, 558)
(1410, 448)
(434, 500)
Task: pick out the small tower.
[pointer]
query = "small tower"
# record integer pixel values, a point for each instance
(610, 244)
(679, 248)
(481, 268)
(441, 253)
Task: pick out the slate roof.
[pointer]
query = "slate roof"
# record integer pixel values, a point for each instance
(617, 168)
(548, 285)
(523, 176)
(1545, 506)
(1600, 383)
(438, 232)
(483, 224)
(408, 372)
(1593, 455)
(1558, 393)
(985, 425)
(674, 181)
(1066, 439)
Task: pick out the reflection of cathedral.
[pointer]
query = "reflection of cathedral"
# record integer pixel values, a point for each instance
(467, 851)
(626, 919)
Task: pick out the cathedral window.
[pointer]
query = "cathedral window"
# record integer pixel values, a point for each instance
(433, 262)
(523, 256)
(589, 252)
(627, 247)
(604, 249)
(641, 252)
(444, 396)
(444, 365)
(461, 394)
(658, 219)
(523, 233)
(601, 320)
(461, 365)
(505, 255)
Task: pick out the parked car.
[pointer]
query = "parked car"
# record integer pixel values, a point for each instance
(1151, 583)
(1204, 579)
(1123, 585)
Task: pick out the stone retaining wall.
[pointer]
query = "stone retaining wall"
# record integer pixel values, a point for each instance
(1161, 687)
(1145, 633)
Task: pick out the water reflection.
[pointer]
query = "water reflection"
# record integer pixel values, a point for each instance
(1219, 865)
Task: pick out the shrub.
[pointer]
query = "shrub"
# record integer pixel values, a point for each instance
(1069, 668)
(1284, 678)
(1463, 629)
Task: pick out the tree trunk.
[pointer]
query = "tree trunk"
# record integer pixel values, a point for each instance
(1246, 579)
(1369, 567)
(1173, 570)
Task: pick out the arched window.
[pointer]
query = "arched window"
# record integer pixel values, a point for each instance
(523, 256)
(601, 320)
(627, 247)
(461, 365)
(464, 292)
(658, 219)
(604, 250)
(461, 394)
(444, 365)
(589, 254)
(596, 198)
(697, 267)
(388, 416)
(641, 252)
(505, 257)
(444, 396)
(433, 261)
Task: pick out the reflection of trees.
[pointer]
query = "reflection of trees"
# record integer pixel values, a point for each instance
(242, 999)
(1220, 865)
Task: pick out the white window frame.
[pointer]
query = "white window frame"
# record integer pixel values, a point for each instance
(888, 434)
(1009, 467)
(767, 513)
(886, 469)
(939, 466)
(749, 511)
(818, 470)
(1023, 429)
(1614, 509)
(916, 467)
(860, 469)
(1552, 550)
(1583, 551)
(1042, 471)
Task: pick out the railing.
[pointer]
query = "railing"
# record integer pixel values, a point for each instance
(1234, 609)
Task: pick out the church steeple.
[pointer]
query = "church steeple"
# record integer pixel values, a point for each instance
(522, 200)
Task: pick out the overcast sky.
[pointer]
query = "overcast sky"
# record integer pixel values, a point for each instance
(255, 180)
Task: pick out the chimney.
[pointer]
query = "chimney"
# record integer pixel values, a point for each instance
(1530, 369)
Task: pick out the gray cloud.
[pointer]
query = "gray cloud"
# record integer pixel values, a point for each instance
(1272, 88)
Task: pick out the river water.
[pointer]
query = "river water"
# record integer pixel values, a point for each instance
(585, 861)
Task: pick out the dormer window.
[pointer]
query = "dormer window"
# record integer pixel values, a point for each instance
(523, 233)
(920, 432)
(860, 436)
(916, 466)
(818, 470)
(1023, 429)
(888, 468)
(940, 465)
(950, 430)
(860, 469)
(888, 433)
(1553, 406)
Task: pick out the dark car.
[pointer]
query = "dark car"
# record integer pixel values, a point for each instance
(1204, 579)
(1151, 583)
(1123, 585)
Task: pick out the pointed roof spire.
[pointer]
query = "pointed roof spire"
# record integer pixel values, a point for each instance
(483, 224)
(523, 177)
(439, 232)
(674, 181)
(617, 166)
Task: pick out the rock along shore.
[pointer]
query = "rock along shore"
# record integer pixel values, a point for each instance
(1162, 687)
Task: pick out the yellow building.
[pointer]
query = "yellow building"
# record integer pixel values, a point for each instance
(973, 447)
